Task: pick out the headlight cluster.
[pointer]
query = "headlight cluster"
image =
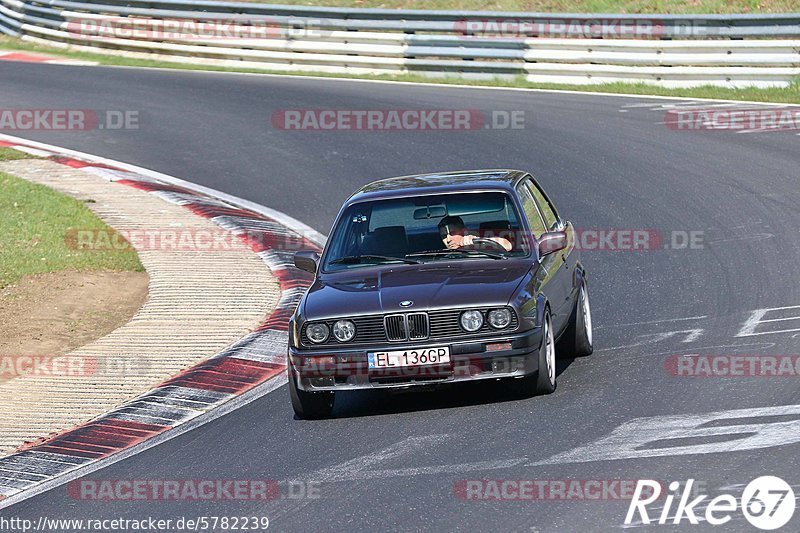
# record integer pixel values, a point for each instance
(317, 332)
(343, 331)
(472, 320)
(499, 318)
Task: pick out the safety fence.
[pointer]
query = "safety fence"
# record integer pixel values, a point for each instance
(666, 50)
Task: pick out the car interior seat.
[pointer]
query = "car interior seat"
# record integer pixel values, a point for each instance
(497, 228)
(391, 241)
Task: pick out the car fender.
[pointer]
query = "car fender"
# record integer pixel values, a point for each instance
(580, 276)
(541, 304)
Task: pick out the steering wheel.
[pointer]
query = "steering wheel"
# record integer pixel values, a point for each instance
(488, 245)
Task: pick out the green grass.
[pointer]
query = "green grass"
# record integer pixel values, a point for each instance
(9, 154)
(790, 95)
(34, 229)
(573, 6)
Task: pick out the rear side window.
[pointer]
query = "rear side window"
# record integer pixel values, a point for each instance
(550, 218)
(531, 212)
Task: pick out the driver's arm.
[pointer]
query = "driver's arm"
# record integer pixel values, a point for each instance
(505, 243)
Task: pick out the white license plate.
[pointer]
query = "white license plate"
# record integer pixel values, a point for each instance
(401, 358)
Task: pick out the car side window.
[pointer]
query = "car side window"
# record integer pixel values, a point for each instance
(549, 215)
(531, 212)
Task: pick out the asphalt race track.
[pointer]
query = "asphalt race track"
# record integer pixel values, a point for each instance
(396, 462)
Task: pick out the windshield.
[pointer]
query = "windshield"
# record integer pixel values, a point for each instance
(453, 227)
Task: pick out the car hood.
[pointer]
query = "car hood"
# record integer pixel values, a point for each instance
(369, 291)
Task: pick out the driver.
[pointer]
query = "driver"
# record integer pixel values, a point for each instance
(453, 233)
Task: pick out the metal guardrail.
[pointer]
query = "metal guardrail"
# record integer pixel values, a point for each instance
(667, 50)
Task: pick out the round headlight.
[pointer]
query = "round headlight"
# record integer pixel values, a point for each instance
(471, 320)
(499, 318)
(317, 332)
(344, 330)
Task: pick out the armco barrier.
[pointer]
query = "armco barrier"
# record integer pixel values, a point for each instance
(666, 50)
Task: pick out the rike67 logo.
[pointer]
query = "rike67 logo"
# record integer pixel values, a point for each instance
(767, 502)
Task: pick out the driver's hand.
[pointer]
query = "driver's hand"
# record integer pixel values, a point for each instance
(468, 240)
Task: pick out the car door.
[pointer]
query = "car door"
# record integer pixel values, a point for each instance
(557, 282)
(566, 260)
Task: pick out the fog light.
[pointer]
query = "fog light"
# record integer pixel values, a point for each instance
(501, 365)
(315, 365)
(322, 382)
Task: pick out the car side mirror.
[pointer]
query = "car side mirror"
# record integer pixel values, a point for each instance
(307, 260)
(552, 241)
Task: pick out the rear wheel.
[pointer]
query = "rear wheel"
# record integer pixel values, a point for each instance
(310, 405)
(577, 339)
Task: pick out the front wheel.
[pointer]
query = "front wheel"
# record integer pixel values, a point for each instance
(577, 339)
(546, 377)
(310, 405)
(544, 381)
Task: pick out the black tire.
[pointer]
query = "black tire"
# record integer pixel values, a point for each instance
(577, 339)
(310, 405)
(546, 377)
(544, 381)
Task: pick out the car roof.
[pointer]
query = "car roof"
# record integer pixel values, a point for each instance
(439, 183)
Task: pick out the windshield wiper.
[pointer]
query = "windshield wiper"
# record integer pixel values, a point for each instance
(472, 253)
(355, 259)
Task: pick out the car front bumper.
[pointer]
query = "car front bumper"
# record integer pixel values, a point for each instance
(333, 369)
